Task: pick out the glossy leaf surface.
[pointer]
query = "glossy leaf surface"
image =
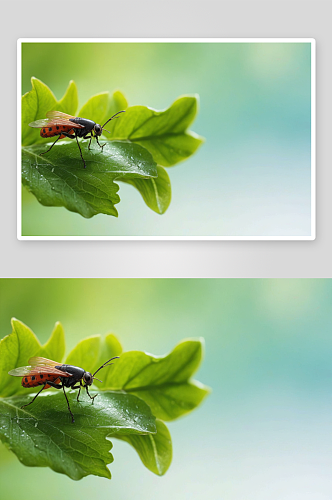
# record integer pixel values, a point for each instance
(60, 179)
(43, 434)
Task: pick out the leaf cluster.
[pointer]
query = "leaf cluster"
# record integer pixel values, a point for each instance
(141, 143)
(138, 394)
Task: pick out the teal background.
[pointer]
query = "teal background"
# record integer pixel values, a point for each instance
(252, 177)
(264, 432)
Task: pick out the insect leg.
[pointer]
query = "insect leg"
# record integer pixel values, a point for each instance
(101, 146)
(70, 136)
(56, 140)
(88, 137)
(75, 387)
(35, 396)
(72, 416)
(91, 397)
(79, 392)
(80, 151)
(53, 384)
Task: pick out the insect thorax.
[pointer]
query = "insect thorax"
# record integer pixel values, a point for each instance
(87, 124)
(76, 372)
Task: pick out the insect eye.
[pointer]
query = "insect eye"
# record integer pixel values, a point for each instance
(87, 377)
(98, 129)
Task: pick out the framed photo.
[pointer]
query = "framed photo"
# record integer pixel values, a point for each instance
(205, 139)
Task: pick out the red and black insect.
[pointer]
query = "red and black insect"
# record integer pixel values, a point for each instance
(63, 125)
(49, 373)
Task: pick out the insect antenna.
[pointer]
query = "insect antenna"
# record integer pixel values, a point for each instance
(112, 119)
(105, 364)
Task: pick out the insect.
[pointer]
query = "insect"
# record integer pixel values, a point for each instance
(63, 125)
(49, 373)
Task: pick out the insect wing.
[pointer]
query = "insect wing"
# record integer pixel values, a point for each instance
(55, 118)
(20, 372)
(39, 361)
(39, 123)
(48, 370)
(58, 118)
(44, 365)
(66, 123)
(54, 115)
(35, 370)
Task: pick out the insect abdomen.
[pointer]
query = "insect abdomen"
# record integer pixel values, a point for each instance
(39, 379)
(55, 130)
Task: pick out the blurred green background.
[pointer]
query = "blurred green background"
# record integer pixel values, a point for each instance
(250, 178)
(264, 432)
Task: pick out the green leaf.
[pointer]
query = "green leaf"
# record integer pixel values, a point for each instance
(69, 103)
(155, 192)
(93, 352)
(55, 346)
(86, 349)
(59, 178)
(155, 450)
(18, 347)
(38, 101)
(163, 133)
(172, 400)
(109, 348)
(35, 105)
(96, 108)
(101, 107)
(15, 350)
(117, 102)
(43, 434)
(163, 382)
